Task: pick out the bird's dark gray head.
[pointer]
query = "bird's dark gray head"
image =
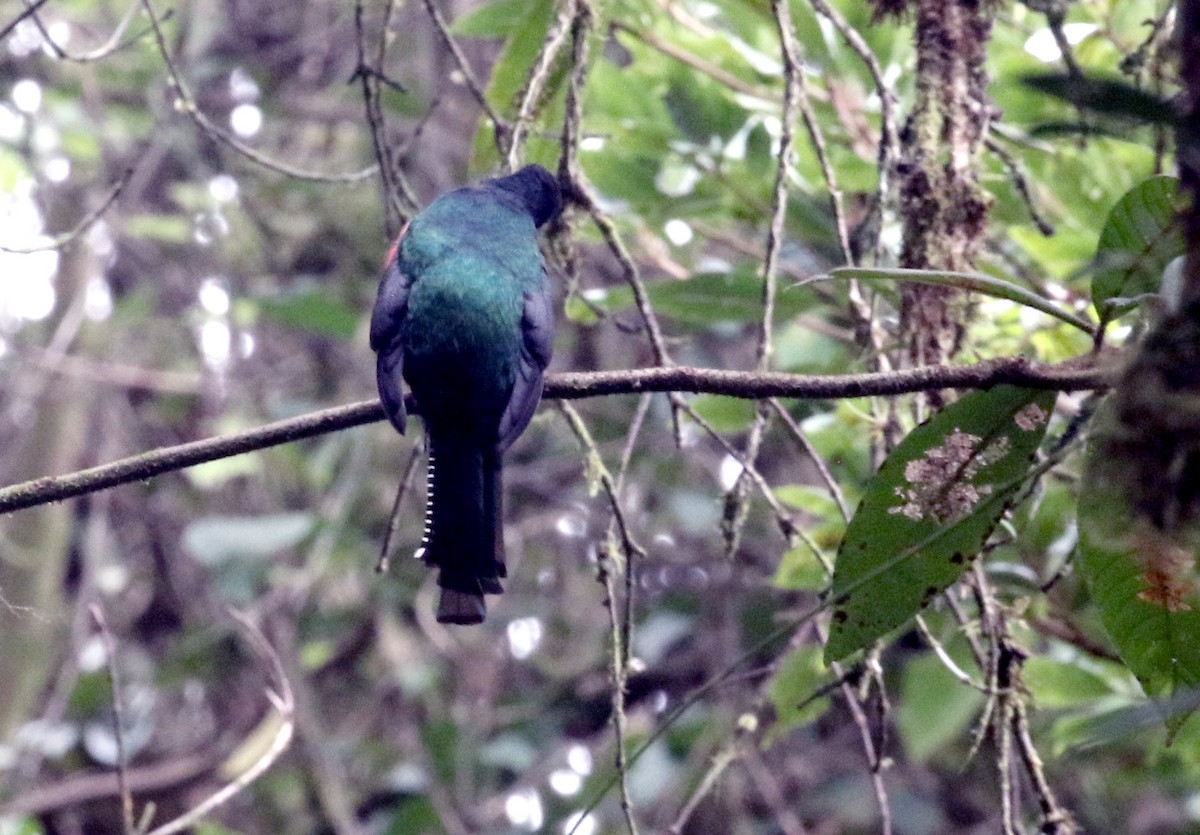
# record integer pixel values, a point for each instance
(538, 190)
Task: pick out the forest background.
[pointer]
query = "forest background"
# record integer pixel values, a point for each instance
(195, 202)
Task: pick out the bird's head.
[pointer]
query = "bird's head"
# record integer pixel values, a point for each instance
(537, 188)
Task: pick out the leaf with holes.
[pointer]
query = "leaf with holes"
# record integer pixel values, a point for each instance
(1140, 237)
(929, 510)
(1143, 580)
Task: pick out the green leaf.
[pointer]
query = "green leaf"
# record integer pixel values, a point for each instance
(1109, 96)
(169, 229)
(526, 34)
(799, 570)
(492, 20)
(219, 539)
(1140, 237)
(1143, 580)
(725, 414)
(797, 679)
(1064, 684)
(929, 510)
(415, 816)
(708, 298)
(973, 282)
(312, 310)
(935, 707)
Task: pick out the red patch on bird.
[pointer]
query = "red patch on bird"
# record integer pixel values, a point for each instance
(391, 256)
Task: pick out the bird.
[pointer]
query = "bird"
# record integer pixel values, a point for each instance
(464, 316)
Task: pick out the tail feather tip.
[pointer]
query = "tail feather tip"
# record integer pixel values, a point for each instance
(461, 608)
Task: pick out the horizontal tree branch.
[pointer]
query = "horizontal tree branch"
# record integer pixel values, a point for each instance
(1072, 376)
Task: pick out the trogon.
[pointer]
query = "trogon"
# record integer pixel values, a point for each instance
(464, 316)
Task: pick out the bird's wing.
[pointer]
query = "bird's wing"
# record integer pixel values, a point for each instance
(537, 342)
(391, 307)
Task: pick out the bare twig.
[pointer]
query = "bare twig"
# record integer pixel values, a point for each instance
(61, 240)
(501, 127)
(530, 94)
(835, 491)
(736, 509)
(768, 786)
(398, 199)
(797, 97)
(187, 103)
(721, 761)
(1021, 184)
(581, 192)
(385, 550)
(103, 51)
(598, 471)
(619, 626)
(889, 135)
(28, 11)
(110, 649)
(282, 701)
(713, 71)
(572, 386)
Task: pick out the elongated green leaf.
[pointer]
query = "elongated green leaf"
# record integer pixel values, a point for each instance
(707, 298)
(975, 283)
(526, 33)
(492, 20)
(1110, 96)
(312, 310)
(1142, 579)
(929, 510)
(1140, 237)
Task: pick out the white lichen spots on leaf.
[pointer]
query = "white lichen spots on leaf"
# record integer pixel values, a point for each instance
(1031, 417)
(940, 482)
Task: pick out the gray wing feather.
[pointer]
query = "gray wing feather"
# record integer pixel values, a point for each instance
(537, 343)
(391, 308)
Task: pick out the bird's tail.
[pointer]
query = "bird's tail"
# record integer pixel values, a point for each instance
(463, 535)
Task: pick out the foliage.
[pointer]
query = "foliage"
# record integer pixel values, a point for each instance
(767, 684)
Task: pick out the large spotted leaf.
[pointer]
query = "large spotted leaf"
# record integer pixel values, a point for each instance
(1143, 579)
(929, 510)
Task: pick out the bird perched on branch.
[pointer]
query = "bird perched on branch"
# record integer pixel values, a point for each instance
(464, 314)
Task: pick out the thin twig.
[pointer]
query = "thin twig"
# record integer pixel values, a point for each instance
(1021, 184)
(635, 429)
(110, 649)
(619, 626)
(61, 240)
(782, 517)
(889, 135)
(28, 11)
(103, 51)
(797, 97)
(736, 509)
(598, 471)
(187, 103)
(399, 201)
(683, 56)
(281, 700)
(530, 94)
(385, 550)
(835, 491)
(571, 386)
(720, 761)
(476, 89)
(581, 192)
(618, 670)
(768, 786)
